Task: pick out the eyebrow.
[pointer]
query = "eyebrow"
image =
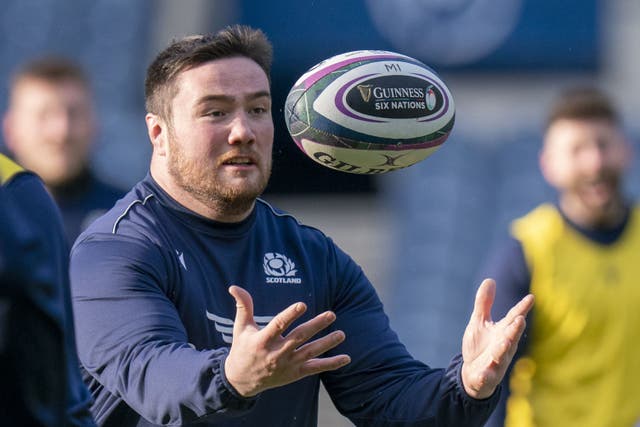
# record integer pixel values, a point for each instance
(229, 98)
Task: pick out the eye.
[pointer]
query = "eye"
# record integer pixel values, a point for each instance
(259, 110)
(215, 113)
(603, 143)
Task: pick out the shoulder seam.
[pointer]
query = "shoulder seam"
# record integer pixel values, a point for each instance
(126, 211)
(280, 214)
(288, 215)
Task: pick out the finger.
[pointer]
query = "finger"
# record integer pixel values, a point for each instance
(244, 308)
(484, 301)
(320, 346)
(316, 366)
(514, 332)
(284, 319)
(520, 309)
(308, 329)
(508, 344)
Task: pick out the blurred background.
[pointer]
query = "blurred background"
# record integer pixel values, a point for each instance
(421, 234)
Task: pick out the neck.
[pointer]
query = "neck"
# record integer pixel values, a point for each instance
(69, 187)
(216, 209)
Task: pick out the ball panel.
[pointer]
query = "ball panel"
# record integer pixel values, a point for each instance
(342, 61)
(388, 104)
(332, 135)
(363, 161)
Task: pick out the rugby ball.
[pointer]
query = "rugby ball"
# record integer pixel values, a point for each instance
(369, 112)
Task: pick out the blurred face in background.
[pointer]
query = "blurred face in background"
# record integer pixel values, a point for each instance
(49, 127)
(585, 160)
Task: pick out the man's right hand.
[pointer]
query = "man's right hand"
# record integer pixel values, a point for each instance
(261, 359)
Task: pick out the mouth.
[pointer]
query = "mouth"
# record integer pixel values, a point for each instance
(601, 188)
(239, 161)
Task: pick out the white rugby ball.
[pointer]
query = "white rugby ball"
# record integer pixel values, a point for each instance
(369, 112)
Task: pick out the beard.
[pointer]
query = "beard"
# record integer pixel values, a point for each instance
(603, 192)
(598, 200)
(199, 178)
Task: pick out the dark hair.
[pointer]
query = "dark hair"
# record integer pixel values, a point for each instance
(191, 51)
(583, 103)
(53, 69)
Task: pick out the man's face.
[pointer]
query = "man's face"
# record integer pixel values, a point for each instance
(49, 127)
(585, 161)
(221, 133)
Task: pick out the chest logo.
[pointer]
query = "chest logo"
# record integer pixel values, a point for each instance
(279, 269)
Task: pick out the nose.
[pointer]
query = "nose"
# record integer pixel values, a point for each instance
(592, 159)
(596, 157)
(241, 131)
(58, 126)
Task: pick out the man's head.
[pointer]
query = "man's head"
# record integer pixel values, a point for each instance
(189, 52)
(50, 125)
(585, 155)
(209, 120)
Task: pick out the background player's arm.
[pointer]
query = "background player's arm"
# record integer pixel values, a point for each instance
(508, 267)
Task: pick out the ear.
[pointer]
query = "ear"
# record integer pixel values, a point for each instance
(158, 132)
(7, 130)
(629, 153)
(546, 165)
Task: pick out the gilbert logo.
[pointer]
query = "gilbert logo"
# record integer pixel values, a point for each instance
(279, 269)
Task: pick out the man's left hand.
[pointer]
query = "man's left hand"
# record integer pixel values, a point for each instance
(488, 347)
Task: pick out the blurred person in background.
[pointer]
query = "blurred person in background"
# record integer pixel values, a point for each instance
(40, 382)
(579, 364)
(49, 128)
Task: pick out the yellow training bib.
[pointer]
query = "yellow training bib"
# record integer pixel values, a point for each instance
(583, 362)
(8, 168)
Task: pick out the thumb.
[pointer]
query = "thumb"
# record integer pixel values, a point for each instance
(484, 300)
(244, 308)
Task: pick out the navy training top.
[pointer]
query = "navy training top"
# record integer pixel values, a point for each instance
(40, 381)
(154, 322)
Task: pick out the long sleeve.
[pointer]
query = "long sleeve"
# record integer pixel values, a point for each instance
(132, 342)
(384, 385)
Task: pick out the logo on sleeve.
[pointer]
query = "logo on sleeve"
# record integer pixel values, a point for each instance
(181, 259)
(225, 326)
(279, 269)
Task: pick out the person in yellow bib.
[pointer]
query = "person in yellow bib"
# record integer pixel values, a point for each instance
(579, 364)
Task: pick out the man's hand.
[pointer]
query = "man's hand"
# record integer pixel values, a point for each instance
(264, 359)
(488, 347)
